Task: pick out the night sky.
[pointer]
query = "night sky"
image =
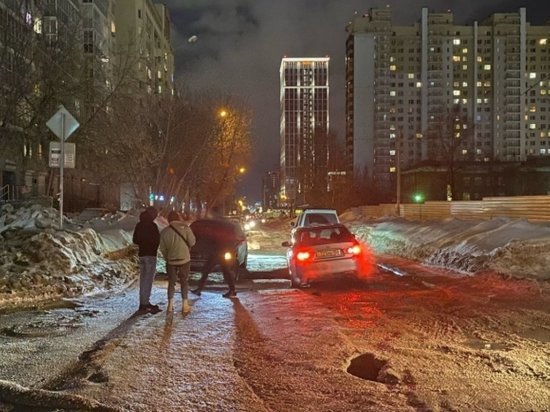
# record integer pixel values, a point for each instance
(241, 42)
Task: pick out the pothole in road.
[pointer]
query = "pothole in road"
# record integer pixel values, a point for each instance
(366, 366)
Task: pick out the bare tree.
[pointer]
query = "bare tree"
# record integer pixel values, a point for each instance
(450, 137)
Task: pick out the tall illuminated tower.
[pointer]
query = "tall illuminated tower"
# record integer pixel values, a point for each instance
(304, 125)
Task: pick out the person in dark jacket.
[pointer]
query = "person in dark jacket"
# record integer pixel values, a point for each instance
(147, 237)
(220, 240)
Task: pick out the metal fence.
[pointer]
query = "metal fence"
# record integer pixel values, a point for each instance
(535, 208)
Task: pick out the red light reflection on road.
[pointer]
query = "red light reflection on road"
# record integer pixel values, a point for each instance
(366, 262)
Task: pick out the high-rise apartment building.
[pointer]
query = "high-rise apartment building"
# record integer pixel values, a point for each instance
(436, 90)
(304, 125)
(143, 42)
(271, 182)
(38, 55)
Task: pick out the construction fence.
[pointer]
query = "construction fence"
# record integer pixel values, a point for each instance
(534, 208)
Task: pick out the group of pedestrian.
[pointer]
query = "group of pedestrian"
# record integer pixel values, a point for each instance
(175, 242)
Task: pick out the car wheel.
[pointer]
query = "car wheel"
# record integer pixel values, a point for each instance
(295, 281)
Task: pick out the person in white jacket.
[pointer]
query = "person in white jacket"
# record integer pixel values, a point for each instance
(176, 240)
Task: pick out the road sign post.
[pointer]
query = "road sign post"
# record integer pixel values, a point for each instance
(62, 124)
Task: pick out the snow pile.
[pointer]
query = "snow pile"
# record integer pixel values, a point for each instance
(38, 261)
(513, 247)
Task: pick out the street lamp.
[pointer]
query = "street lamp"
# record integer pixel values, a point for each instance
(419, 198)
(223, 113)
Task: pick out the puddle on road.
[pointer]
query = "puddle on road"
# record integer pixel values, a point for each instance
(478, 344)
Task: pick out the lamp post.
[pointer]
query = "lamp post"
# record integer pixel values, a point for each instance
(419, 199)
(398, 177)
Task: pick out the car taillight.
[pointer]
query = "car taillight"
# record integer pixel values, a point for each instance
(304, 255)
(354, 250)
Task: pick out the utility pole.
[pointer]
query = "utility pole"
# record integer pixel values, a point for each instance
(398, 177)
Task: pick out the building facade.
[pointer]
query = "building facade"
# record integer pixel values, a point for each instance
(33, 37)
(271, 182)
(304, 126)
(144, 45)
(440, 91)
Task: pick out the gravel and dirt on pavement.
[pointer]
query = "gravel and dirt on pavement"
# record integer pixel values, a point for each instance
(407, 338)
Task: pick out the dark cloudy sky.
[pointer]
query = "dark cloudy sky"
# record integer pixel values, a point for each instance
(241, 43)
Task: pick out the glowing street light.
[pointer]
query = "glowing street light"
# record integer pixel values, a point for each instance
(242, 170)
(223, 113)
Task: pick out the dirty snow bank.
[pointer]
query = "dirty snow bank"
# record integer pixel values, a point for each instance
(40, 262)
(513, 247)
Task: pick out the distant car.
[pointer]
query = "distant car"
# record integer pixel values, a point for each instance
(207, 231)
(321, 252)
(311, 217)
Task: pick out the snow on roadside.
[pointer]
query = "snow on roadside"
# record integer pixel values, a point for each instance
(40, 262)
(512, 247)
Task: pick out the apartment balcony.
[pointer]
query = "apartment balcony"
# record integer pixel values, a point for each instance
(509, 118)
(512, 84)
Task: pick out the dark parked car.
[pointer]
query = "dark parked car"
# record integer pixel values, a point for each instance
(224, 237)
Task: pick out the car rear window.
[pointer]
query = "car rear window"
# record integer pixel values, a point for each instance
(323, 236)
(320, 219)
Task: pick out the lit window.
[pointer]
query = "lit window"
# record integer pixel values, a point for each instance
(456, 58)
(533, 109)
(479, 59)
(464, 84)
(464, 67)
(532, 75)
(464, 50)
(479, 101)
(464, 101)
(543, 92)
(456, 84)
(543, 42)
(456, 101)
(392, 169)
(532, 126)
(487, 83)
(487, 67)
(456, 92)
(419, 135)
(37, 26)
(418, 84)
(393, 67)
(478, 84)
(392, 135)
(542, 151)
(486, 100)
(392, 59)
(392, 152)
(464, 151)
(543, 134)
(392, 93)
(411, 75)
(456, 42)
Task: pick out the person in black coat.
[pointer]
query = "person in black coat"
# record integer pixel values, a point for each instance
(147, 237)
(220, 239)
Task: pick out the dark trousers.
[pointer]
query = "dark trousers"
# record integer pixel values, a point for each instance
(227, 270)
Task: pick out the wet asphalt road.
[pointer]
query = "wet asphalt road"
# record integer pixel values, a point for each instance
(39, 345)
